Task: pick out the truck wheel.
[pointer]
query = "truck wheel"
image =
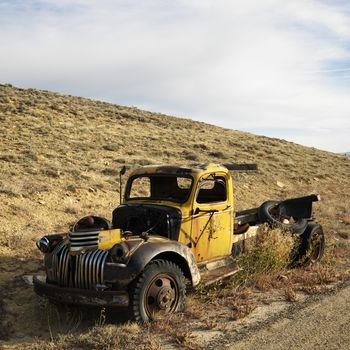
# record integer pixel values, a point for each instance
(160, 289)
(312, 245)
(268, 212)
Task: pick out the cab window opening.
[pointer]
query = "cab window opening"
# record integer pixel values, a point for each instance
(172, 188)
(212, 190)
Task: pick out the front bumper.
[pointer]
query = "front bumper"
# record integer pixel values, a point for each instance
(77, 296)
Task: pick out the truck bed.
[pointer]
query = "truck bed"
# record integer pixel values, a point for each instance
(248, 216)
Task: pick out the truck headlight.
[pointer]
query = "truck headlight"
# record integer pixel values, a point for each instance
(43, 244)
(119, 252)
(49, 242)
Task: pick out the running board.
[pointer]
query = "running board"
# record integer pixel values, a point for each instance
(217, 275)
(216, 271)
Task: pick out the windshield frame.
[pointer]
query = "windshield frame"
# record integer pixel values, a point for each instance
(132, 178)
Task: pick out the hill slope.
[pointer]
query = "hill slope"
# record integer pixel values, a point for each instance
(55, 142)
(59, 158)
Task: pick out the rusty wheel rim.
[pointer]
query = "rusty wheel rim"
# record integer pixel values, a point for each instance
(162, 295)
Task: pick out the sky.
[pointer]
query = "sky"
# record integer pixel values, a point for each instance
(275, 68)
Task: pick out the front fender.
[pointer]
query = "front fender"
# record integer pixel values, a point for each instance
(147, 251)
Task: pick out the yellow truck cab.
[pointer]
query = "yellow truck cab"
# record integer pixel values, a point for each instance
(202, 196)
(174, 225)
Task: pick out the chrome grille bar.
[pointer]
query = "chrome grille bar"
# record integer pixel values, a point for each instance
(65, 262)
(81, 240)
(60, 262)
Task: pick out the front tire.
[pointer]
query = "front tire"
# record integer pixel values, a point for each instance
(160, 289)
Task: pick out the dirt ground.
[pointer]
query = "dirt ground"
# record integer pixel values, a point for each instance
(322, 322)
(314, 322)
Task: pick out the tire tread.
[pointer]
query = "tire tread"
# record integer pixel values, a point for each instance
(153, 267)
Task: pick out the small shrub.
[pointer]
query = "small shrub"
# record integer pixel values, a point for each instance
(236, 144)
(56, 107)
(241, 310)
(71, 188)
(201, 146)
(30, 155)
(71, 209)
(110, 172)
(343, 234)
(11, 189)
(52, 172)
(290, 294)
(143, 162)
(11, 158)
(217, 154)
(13, 240)
(270, 252)
(120, 160)
(190, 155)
(112, 147)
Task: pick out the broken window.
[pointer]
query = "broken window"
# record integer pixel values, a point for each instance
(212, 189)
(141, 187)
(162, 187)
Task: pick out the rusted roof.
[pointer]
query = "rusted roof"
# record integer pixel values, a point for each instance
(195, 169)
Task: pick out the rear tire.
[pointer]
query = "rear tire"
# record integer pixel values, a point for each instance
(312, 245)
(160, 288)
(268, 212)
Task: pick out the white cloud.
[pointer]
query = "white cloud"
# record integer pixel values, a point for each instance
(253, 65)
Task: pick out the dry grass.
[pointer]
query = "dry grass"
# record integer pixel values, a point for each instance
(59, 156)
(102, 337)
(346, 220)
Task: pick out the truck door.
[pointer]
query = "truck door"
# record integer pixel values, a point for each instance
(212, 219)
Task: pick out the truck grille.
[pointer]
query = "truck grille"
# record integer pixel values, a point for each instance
(83, 241)
(89, 269)
(81, 271)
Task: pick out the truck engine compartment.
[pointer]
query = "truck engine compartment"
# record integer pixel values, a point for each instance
(146, 218)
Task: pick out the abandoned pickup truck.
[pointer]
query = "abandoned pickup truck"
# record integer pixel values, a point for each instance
(174, 226)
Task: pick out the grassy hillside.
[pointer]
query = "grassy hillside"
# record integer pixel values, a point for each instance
(59, 158)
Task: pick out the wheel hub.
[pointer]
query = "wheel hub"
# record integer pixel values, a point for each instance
(166, 297)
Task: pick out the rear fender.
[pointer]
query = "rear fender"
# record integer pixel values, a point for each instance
(298, 207)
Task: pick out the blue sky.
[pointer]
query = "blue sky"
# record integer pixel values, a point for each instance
(271, 67)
